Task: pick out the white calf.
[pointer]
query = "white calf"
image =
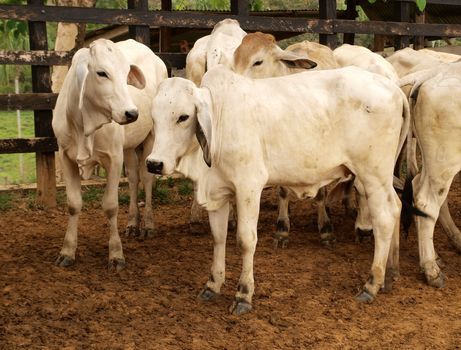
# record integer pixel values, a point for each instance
(95, 100)
(437, 125)
(292, 131)
(259, 56)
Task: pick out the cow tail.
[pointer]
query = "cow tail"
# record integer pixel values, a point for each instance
(408, 208)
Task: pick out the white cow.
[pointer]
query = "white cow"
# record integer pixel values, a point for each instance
(107, 85)
(292, 131)
(437, 125)
(407, 60)
(208, 52)
(216, 48)
(259, 56)
(359, 56)
(414, 67)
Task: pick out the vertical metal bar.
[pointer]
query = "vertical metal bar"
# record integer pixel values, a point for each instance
(327, 10)
(164, 44)
(401, 14)
(140, 33)
(41, 82)
(420, 17)
(351, 13)
(240, 8)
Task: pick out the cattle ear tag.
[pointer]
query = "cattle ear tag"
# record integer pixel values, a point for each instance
(136, 77)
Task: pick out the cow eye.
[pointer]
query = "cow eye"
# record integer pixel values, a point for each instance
(258, 63)
(102, 74)
(182, 118)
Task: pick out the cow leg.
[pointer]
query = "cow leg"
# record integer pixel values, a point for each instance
(431, 190)
(363, 225)
(392, 267)
(449, 226)
(384, 206)
(74, 202)
(248, 202)
(325, 227)
(218, 224)
(283, 219)
(148, 182)
(113, 167)
(348, 200)
(131, 168)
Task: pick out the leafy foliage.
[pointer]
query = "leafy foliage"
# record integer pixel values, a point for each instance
(420, 3)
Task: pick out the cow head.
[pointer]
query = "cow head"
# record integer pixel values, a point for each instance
(181, 115)
(258, 56)
(103, 81)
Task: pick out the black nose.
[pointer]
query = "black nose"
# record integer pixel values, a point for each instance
(131, 116)
(154, 167)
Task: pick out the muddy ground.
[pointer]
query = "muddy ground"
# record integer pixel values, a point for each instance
(304, 295)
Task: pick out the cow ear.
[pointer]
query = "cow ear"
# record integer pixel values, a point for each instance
(203, 127)
(81, 72)
(292, 60)
(136, 77)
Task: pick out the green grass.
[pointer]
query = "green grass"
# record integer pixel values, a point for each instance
(9, 163)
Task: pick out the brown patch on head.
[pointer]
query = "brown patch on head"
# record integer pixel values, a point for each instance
(251, 44)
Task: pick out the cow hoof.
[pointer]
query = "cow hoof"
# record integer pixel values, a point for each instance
(391, 276)
(207, 294)
(437, 282)
(240, 307)
(131, 231)
(196, 228)
(360, 235)
(146, 233)
(365, 297)
(281, 242)
(117, 265)
(64, 261)
(328, 239)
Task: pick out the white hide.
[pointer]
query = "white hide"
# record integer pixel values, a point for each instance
(107, 84)
(293, 131)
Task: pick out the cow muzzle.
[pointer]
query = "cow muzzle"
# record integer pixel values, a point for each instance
(131, 116)
(154, 167)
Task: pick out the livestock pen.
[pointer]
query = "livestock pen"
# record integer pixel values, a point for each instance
(305, 292)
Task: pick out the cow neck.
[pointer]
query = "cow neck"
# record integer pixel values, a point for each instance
(192, 165)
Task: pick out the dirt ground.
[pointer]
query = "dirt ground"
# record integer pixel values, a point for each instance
(304, 296)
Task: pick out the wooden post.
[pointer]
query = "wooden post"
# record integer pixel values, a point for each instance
(327, 10)
(140, 33)
(401, 14)
(240, 8)
(165, 33)
(420, 17)
(351, 13)
(41, 82)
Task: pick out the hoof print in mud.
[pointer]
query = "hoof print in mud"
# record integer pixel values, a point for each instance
(64, 261)
(117, 265)
(207, 295)
(240, 307)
